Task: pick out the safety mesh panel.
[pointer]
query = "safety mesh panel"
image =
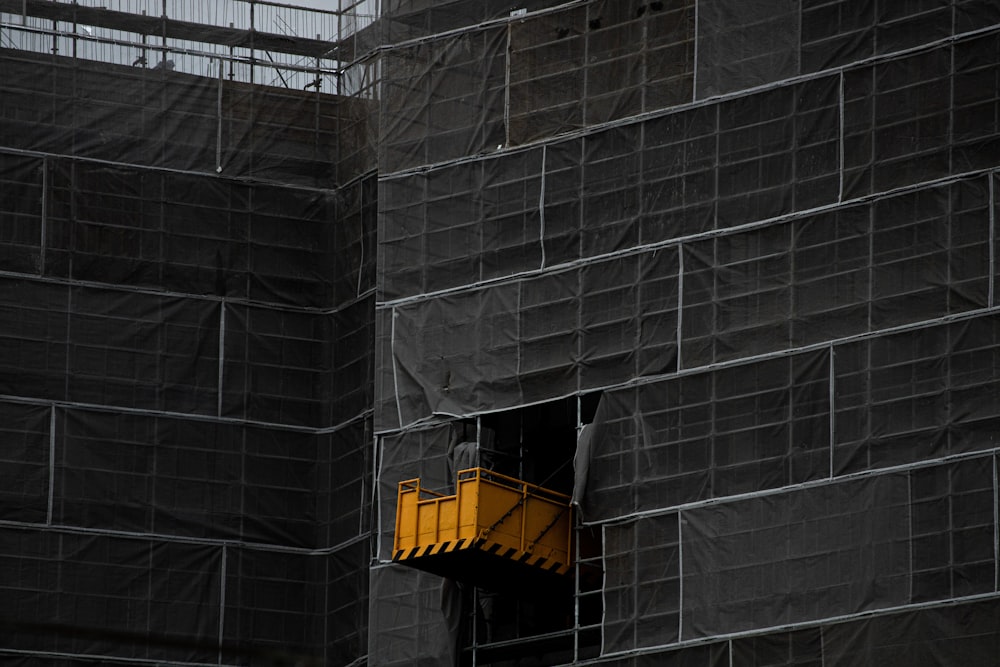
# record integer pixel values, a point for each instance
(355, 248)
(611, 192)
(800, 648)
(274, 604)
(923, 255)
(642, 593)
(348, 390)
(777, 152)
(975, 102)
(973, 14)
(21, 194)
(279, 497)
(444, 348)
(142, 350)
(808, 554)
(123, 597)
(948, 635)
(76, 107)
(835, 32)
(276, 365)
(146, 228)
(762, 562)
(915, 395)
(33, 339)
(953, 530)
(24, 462)
(407, 621)
(109, 347)
(451, 90)
(346, 604)
(386, 410)
(186, 233)
(901, 129)
(547, 74)
(745, 44)
(708, 435)
(185, 477)
(535, 339)
(679, 185)
(591, 64)
(739, 161)
(291, 241)
(460, 225)
(344, 483)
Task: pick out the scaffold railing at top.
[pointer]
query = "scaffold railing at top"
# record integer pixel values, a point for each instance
(264, 42)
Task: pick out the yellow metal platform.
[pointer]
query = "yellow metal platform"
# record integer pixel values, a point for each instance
(491, 522)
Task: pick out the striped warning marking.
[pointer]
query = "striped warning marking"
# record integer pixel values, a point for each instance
(486, 546)
(525, 557)
(431, 549)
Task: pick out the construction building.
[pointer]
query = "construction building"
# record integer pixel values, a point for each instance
(722, 272)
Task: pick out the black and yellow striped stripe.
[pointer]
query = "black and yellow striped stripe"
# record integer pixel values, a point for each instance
(486, 546)
(432, 549)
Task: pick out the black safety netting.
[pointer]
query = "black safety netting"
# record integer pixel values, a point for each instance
(105, 346)
(713, 434)
(440, 103)
(24, 461)
(460, 225)
(951, 634)
(591, 63)
(156, 352)
(187, 233)
(77, 593)
(916, 395)
(151, 599)
(911, 257)
(21, 197)
(734, 162)
(820, 552)
(174, 480)
(921, 117)
(199, 478)
(896, 399)
(349, 388)
(276, 364)
(534, 339)
(407, 618)
(167, 118)
(345, 486)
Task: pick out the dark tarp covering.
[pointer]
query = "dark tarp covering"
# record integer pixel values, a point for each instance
(186, 367)
(113, 595)
(710, 435)
(939, 636)
(789, 284)
(536, 339)
(165, 118)
(917, 395)
(406, 614)
(897, 399)
(24, 462)
(594, 62)
(797, 556)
